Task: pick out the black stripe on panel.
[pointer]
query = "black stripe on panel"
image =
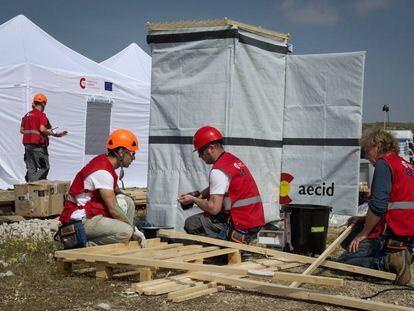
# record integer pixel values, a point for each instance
(351, 142)
(240, 141)
(263, 45)
(192, 36)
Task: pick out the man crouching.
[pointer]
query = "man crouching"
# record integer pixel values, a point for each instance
(92, 207)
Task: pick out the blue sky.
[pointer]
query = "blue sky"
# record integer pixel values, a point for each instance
(100, 28)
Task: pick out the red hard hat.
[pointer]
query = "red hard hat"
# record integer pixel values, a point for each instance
(205, 135)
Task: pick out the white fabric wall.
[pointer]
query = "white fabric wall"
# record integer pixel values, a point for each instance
(256, 98)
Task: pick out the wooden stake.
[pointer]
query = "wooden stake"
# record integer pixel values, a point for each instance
(325, 254)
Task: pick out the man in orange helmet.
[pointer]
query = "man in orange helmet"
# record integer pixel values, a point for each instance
(36, 128)
(92, 206)
(232, 205)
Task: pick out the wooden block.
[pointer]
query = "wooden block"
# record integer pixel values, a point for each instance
(234, 258)
(64, 267)
(103, 271)
(145, 274)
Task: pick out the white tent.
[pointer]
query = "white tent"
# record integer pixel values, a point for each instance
(84, 98)
(131, 61)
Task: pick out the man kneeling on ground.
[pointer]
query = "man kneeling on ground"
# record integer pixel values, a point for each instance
(94, 197)
(232, 205)
(386, 236)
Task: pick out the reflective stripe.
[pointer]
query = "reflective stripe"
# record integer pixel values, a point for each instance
(248, 201)
(70, 198)
(227, 203)
(31, 132)
(401, 205)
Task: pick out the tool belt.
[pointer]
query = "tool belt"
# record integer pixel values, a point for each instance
(72, 235)
(238, 235)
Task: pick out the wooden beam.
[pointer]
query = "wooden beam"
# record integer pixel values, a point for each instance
(279, 254)
(201, 256)
(325, 254)
(138, 287)
(297, 293)
(289, 277)
(190, 290)
(197, 294)
(148, 262)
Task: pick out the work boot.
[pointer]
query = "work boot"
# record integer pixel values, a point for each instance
(399, 263)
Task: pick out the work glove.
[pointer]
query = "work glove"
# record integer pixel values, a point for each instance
(140, 237)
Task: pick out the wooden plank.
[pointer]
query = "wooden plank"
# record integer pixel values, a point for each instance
(279, 254)
(123, 274)
(210, 254)
(296, 293)
(151, 252)
(190, 290)
(162, 245)
(187, 252)
(171, 288)
(141, 285)
(147, 262)
(325, 254)
(289, 277)
(197, 294)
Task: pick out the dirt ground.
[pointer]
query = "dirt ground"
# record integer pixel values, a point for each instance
(36, 285)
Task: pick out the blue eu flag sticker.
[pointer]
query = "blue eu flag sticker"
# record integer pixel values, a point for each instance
(108, 86)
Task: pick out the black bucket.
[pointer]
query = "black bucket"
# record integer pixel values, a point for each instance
(309, 227)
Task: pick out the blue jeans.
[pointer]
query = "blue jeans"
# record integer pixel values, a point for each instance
(371, 254)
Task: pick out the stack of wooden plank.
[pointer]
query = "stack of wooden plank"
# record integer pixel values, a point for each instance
(265, 275)
(138, 194)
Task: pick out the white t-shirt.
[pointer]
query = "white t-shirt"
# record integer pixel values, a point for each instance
(219, 182)
(100, 179)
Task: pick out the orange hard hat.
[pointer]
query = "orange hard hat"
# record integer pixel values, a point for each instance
(122, 138)
(41, 98)
(205, 135)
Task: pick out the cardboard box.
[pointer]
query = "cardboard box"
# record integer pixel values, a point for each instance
(41, 198)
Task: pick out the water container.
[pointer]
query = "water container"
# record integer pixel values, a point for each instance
(309, 227)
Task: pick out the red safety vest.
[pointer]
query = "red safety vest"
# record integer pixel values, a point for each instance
(96, 205)
(31, 123)
(243, 199)
(400, 210)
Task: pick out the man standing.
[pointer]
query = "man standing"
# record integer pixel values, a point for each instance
(232, 205)
(36, 128)
(386, 237)
(92, 198)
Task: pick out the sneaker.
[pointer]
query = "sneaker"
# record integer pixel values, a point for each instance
(399, 263)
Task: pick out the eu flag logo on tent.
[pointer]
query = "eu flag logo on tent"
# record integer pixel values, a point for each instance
(108, 86)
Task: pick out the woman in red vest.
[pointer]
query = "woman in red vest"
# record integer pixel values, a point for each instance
(92, 197)
(386, 236)
(232, 205)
